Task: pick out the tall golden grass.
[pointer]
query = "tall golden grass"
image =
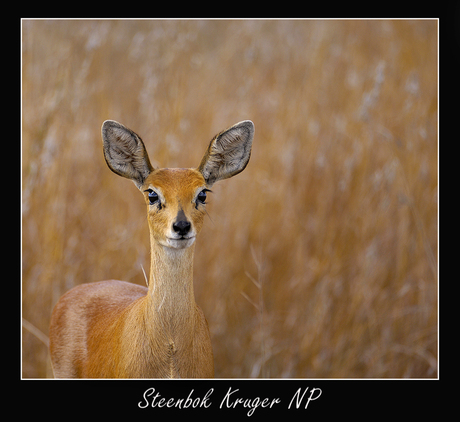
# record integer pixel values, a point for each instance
(320, 259)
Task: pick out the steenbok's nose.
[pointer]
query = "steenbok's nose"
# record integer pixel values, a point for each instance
(182, 227)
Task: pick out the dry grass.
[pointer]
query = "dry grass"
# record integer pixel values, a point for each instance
(320, 259)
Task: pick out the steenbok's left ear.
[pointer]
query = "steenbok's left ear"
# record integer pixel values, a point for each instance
(228, 153)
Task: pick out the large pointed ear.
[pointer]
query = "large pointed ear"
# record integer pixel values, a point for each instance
(125, 152)
(228, 153)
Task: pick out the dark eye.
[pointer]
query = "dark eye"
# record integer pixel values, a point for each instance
(153, 196)
(202, 196)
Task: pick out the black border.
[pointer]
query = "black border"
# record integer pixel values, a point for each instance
(359, 399)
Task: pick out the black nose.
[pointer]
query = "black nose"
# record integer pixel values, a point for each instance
(181, 227)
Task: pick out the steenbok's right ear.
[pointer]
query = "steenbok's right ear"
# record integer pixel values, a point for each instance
(125, 152)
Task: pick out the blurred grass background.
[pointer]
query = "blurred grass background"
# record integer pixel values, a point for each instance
(320, 259)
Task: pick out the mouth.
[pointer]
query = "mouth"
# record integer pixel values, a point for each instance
(180, 243)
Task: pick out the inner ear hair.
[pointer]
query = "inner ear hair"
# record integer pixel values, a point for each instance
(125, 152)
(228, 153)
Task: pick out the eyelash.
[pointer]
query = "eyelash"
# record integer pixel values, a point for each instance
(153, 197)
(202, 200)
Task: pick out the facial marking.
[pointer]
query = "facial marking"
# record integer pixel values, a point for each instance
(176, 217)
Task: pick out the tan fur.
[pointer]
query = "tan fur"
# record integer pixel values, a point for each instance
(115, 329)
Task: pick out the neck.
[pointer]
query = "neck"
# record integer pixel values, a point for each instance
(170, 295)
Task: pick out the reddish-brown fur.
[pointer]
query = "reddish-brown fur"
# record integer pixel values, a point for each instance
(115, 329)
